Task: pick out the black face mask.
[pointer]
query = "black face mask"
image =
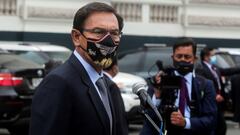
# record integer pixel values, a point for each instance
(183, 67)
(103, 51)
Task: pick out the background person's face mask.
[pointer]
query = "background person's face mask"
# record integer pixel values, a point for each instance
(183, 67)
(213, 60)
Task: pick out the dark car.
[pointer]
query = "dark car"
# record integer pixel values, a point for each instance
(142, 61)
(18, 80)
(48, 55)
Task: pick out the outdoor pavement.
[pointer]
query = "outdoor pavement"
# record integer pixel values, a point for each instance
(135, 129)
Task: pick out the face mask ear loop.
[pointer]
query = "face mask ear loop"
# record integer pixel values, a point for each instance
(81, 32)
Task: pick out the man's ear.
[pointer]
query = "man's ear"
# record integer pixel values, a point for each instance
(75, 34)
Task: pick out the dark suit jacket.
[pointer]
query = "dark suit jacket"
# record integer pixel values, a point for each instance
(203, 116)
(235, 97)
(121, 118)
(67, 103)
(204, 71)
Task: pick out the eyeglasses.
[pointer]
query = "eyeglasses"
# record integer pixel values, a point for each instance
(99, 33)
(186, 56)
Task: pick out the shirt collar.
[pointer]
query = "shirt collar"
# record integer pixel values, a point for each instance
(208, 64)
(188, 76)
(108, 75)
(93, 74)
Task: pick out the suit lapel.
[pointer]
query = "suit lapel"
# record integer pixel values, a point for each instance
(208, 71)
(97, 102)
(210, 74)
(195, 90)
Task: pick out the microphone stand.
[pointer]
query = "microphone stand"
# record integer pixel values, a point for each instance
(150, 119)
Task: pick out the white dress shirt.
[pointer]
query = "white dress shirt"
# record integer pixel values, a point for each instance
(92, 73)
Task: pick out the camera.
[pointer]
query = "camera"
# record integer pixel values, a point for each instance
(169, 86)
(168, 79)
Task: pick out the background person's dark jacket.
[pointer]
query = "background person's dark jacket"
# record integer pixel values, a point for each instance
(236, 97)
(203, 117)
(204, 71)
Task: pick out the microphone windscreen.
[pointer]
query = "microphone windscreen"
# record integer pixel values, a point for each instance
(137, 87)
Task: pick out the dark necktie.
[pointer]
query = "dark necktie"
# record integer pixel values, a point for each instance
(104, 94)
(214, 72)
(183, 96)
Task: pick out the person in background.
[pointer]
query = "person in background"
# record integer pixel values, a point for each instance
(196, 109)
(235, 87)
(74, 98)
(209, 70)
(110, 72)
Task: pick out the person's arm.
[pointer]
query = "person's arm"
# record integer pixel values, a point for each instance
(229, 71)
(206, 120)
(51, 105)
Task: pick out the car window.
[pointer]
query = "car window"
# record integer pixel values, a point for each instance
(11, 61)
(236, 58)
(32, 56)
(225, 61)
(130, 63)
(59, 56)
(142, 62)
(152, 56)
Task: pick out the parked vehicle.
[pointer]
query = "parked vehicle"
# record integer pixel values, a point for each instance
(234, 52)
(18, 80)
(142, 60)
(47, 55)
(131, 101)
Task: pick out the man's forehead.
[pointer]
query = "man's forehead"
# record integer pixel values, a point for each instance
(102, 20)
(184, 49)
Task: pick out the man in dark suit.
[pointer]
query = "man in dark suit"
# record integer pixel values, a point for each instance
(235, 87)
(74, 98)
(209, 70)
(196, 109)
(110, 72)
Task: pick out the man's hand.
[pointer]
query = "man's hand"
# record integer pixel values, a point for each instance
(158, 77)
(178, 119)
(219, 98)
(158, 81)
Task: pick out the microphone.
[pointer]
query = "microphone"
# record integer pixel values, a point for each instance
(140, 90)
(167, 69)
(159, 64)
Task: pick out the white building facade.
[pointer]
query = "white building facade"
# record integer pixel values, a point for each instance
(211, 22)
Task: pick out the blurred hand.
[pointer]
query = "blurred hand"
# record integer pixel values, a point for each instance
(219, 98)
(157, 93)
(178, 119)
(157, 78)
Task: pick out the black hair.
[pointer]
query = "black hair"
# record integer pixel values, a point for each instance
(185, 41)
(84, 12)
(205, 52)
